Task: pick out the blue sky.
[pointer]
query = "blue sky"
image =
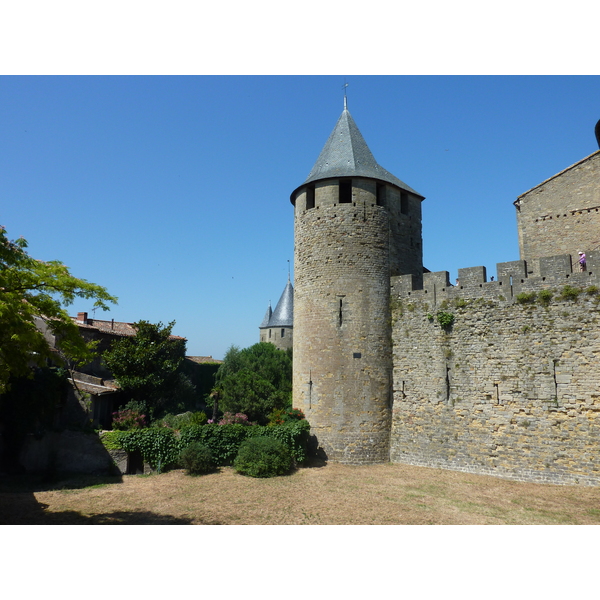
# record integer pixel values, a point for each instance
(173, 192)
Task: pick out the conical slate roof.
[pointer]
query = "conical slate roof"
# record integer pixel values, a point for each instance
(283, 315)
(346, 154)
(265, 321)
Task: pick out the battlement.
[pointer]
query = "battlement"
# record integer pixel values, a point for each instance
(511, 279)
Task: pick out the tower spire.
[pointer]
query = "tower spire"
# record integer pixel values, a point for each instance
(345, 96)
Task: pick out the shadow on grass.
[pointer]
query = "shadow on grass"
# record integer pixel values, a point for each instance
(314, 462)
(18, 505)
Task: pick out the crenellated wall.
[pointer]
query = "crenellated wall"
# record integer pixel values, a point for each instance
(512, 387)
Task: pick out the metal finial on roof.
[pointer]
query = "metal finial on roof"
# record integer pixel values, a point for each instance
(345, 96)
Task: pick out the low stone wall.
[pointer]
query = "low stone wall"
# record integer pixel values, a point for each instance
(510, 389)
(66, 451)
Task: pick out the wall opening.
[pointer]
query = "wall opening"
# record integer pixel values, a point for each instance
(345, 191)
(310, 197)
(380, 194)
(283, 333)
(404, 203)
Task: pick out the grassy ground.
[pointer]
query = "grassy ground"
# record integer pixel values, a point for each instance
(328, 495)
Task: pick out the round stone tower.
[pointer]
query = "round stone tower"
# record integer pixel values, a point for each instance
(355, 225)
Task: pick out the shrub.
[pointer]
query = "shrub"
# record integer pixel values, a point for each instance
(294, 434)
(188, 418)
(197, 459)
(263, 457)
(111, 440)
(544, 297)
(445, 319)
(526, 297)
(238, 418)
(224, 440)
(569, 293)
(158, 445)
(127, 419)
(281, 416)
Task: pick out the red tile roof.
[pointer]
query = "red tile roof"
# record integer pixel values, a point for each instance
(113, 327)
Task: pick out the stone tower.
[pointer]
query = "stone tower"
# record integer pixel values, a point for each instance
(355, 225)
(278, 325)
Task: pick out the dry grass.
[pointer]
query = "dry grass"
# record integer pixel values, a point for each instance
(331, 494)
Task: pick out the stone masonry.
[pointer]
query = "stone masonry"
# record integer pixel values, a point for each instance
(512, 387)
(343, 367)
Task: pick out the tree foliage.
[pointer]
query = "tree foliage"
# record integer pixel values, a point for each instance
(147, 367)
(33, 295)
(255, 381)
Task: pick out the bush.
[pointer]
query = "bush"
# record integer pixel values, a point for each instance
(294, 434)
(111, 440)
(188, 418)
(238, 418)
(569, 293)
(445, 319)
(263, 457)
(127, 419)
(526, 297)
(223, 440)
(544, 297)
(281, 416)
(158, 446)
(197, 459)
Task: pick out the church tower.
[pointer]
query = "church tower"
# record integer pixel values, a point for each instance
(277, 327)
(355, 225)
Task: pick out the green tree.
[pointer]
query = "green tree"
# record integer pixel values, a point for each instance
(255, 381)
(33, 296)
(147, 367)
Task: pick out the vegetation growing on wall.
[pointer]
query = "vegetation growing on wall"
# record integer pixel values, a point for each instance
(445, 319)
(569, 293)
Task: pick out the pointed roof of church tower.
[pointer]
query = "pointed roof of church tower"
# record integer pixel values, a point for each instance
(265, 321)
(283, 315)
(346, 154)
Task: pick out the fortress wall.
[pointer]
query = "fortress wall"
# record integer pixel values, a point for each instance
(511, 389)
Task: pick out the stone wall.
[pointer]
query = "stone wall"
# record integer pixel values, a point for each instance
(274, 336)
(512, 388)
(66, 451)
